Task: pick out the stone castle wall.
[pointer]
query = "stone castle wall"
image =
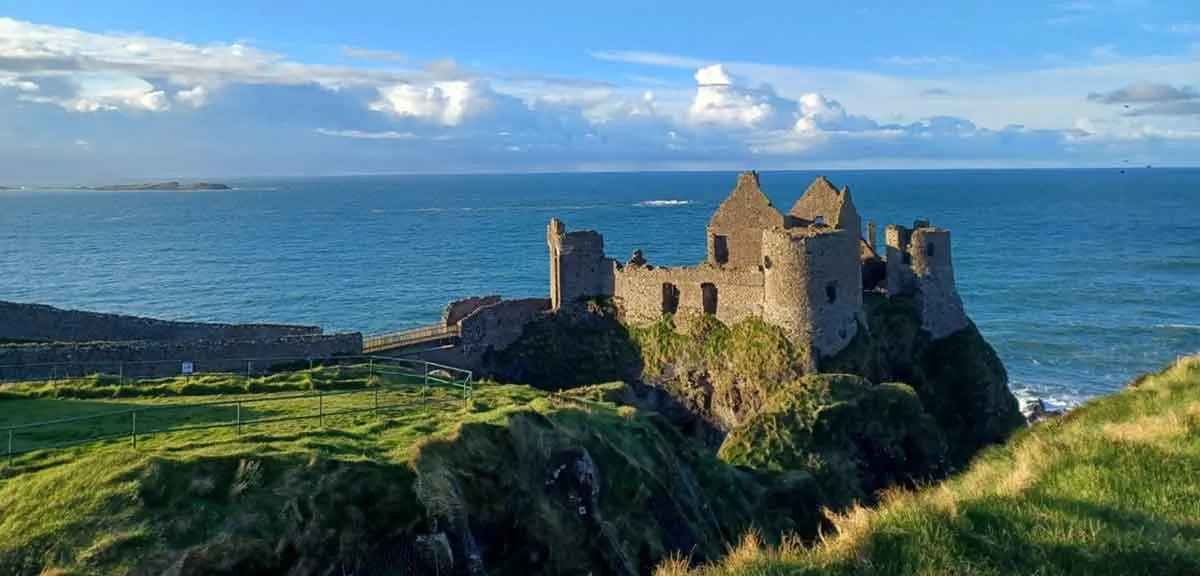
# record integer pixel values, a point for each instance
(813, 286)
(459, 309)
(731, 295)
(40, 323)
(496, 326)
(735, 230)
(942, 311)
(138, 359)
(578, 266)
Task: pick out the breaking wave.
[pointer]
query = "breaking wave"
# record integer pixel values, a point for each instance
(662, 203)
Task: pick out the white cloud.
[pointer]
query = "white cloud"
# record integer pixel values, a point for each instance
(921, 60)
(648, 58)
(17, 83)
(369, 54)
(446, 103)
(720, 101)
(361, 135)
(196, 97)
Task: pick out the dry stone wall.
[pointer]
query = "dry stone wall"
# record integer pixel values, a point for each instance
(164, 358)
(40, 323)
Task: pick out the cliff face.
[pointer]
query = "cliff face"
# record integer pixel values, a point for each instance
(723, 376)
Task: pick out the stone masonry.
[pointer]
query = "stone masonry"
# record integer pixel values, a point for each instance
(40, 323)
(802, 271)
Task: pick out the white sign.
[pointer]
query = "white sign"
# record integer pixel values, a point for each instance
(187, 368)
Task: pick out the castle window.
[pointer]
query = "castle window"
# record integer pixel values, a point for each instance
(929, 249)
(831, 292)
(720, 248)
(708, 291)
(670, 298)
(819, 220)
(767, 262)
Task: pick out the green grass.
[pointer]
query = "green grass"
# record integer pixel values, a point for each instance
(362, 491)
(1111, 488)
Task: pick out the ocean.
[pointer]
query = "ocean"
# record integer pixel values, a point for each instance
(1081, 279)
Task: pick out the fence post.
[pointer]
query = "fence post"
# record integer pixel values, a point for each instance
(121, 371)
(248, 371)
(371, 366)
(10, 447)
(376, 401)
(133, 431)
(239, 418)
(321, 407)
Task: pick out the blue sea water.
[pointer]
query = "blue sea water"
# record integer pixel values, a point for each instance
(1081, 279)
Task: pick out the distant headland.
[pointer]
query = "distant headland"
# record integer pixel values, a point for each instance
(170, 185)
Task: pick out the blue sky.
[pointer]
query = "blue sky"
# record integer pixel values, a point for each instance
(104, 90)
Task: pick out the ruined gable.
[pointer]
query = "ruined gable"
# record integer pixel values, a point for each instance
(822, 202)
(735, 230)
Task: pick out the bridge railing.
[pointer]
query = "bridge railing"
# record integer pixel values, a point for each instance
(403, 338)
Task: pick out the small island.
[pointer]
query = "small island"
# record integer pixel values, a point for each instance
(171, 185)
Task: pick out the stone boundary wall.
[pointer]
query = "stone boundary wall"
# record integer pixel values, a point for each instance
(495, 327)
(459, 309)
(41, 323)
(638, 291)
(139, 359)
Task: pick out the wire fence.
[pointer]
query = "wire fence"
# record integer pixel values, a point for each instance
(390, 383)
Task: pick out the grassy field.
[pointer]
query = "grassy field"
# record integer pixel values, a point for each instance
(72, 415)
(1112, 488)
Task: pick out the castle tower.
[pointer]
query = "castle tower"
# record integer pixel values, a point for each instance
(578, 267)
(942, 311)
(900, 279)
(812, 287)
(735, 230)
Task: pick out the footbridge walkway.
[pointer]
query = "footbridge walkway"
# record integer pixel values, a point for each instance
(424, 336)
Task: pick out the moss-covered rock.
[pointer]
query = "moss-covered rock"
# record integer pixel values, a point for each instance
(853, 437)
(960, 379)
(567, 349)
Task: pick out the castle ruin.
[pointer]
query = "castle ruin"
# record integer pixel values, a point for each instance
(804, 271)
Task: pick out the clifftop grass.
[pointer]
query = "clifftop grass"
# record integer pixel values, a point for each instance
(517, 480)
(1111, 488)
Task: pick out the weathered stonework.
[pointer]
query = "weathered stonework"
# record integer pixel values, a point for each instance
(496, 326)
(804, 272)
(578, 266)
(813, 286)
(40, 323)
(140, 359)
(735, 230)
(459, 309)
(821, 203)
(730, 294)
(919, 264)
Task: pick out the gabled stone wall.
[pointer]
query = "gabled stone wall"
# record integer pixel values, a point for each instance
(735, 230)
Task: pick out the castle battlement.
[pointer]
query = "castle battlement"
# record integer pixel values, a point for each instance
(803, 271)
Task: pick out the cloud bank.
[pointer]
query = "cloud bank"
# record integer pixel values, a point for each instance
(138, 100)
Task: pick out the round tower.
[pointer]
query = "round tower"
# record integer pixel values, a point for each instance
(813, 286)
(942, 311)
